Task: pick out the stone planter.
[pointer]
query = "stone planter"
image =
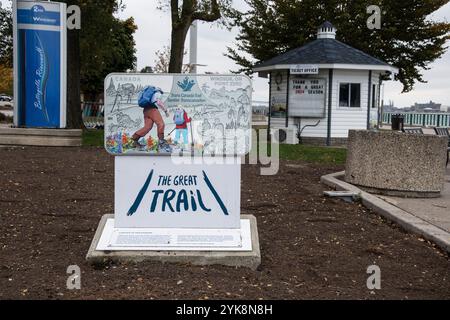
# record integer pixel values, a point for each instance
(397, 164)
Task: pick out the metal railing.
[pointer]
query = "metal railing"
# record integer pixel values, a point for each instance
(420, 119)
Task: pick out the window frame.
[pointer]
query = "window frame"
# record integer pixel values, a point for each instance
(349, 95)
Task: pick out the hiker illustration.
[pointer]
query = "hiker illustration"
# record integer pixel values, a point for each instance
(181, 119)
(150, 101)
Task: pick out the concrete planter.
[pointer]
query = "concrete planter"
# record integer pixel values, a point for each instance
(397, 164)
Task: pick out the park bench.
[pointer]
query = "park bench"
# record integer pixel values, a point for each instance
(445, 133)
(413, 130)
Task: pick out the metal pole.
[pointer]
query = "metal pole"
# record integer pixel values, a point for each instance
(288, 86)
(369, 99)
(270, 108)
(193, 47)
(16, 100)
(330, 105)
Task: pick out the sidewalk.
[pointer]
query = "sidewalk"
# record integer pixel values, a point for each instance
(434, 211)
(430, 218)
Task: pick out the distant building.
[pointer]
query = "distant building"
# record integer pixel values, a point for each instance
(389, 107)
(426, 107)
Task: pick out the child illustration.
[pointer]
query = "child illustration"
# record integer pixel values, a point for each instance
(150, 101)
(181, 120)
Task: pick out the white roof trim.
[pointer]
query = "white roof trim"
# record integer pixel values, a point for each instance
(392, 69)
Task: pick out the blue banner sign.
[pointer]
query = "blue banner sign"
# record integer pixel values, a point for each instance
(37, 15)
(40, 64)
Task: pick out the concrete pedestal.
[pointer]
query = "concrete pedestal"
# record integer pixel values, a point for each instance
(40, 137)
(398, 164)
(247, 259)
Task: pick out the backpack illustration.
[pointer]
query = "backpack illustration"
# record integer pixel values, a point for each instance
(146, 97)
(178, 118)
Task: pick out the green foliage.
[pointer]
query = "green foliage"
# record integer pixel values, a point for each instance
(6, 80)
(408, 39)
(106, 42)
(6, 40)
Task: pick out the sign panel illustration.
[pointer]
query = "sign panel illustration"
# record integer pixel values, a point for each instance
(161, 114)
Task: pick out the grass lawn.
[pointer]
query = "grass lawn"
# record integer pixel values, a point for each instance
(93, 138)
(313, 154)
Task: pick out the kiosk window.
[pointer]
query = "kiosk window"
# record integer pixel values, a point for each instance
(350, 95)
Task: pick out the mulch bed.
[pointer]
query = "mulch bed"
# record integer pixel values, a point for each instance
(51, 201)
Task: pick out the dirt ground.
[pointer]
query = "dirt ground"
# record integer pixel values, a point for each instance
(51, 201)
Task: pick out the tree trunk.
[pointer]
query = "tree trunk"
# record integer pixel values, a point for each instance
(177, 48)
(74, 119)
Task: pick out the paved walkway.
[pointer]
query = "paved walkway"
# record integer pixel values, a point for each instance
(435, 211)
(429, 218)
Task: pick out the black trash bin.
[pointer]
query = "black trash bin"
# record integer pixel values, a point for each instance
(398, 122)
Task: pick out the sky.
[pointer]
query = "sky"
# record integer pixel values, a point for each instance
(154, 33)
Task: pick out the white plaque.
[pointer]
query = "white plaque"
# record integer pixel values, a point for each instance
(159, 192)
(147, 239)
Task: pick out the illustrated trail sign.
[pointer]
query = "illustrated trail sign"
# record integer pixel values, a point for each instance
(165, 203)
(158, 114)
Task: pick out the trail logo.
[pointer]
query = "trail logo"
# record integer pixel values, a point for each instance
(166, 199)
(186, 85)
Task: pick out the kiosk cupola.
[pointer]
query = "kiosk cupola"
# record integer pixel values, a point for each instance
(326, 31)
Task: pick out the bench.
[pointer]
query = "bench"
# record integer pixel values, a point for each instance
(444, 133)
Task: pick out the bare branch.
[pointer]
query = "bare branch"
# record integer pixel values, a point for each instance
(208, 15)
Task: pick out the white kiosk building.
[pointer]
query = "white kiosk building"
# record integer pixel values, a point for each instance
(322, 90)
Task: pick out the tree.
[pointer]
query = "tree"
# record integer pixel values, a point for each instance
(74, 117)
(163, 59)
(407, 38)
(104, 44)
(6, 38)
(6, 52)
(183, 14)
(6, 80)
